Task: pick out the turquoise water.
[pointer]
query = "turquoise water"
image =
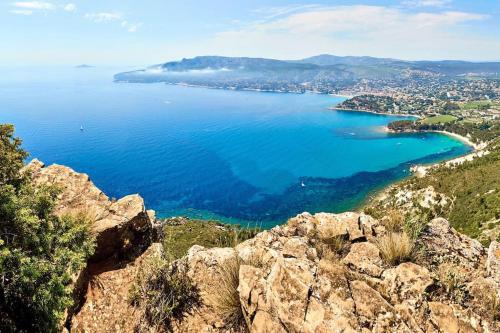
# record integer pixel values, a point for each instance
(232, 155)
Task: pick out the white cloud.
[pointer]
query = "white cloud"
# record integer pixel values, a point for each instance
(272, 12)
(22, 11)
(70, 7)
(131, 27)
(134, 27)
(356, 30)
(108, 17)
(104, 17)
(427, 3)
(28, 5)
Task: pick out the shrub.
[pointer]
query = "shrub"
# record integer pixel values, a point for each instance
(224, 296)
(39, 252)
(453, 282)
(395, 247)
(164, 292)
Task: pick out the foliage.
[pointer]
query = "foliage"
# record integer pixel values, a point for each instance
(39, 252)
(181, 234)
(453, 281)
(164, 292)
(483, 131)
(395, 247)
(474, 187)
(11, 156)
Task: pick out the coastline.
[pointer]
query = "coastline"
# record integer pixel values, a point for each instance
(333, 108)
(421, 170)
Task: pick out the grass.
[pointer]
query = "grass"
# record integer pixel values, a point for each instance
(395, 247)
(475, 105)
(393, 221)
(181, 234)
(224, 296)
(441, 119)
(163, 293)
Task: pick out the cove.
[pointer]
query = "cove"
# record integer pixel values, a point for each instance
(242, 157)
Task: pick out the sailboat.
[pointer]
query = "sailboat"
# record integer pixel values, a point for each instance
(81, 128)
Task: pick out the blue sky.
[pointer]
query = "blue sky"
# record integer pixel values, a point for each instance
(133, 32)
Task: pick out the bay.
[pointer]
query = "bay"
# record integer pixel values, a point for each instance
(237, 156)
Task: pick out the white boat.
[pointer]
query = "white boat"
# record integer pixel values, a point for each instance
(302, 184)
(81, 128)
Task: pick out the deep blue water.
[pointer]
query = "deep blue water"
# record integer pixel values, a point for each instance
(232, 155)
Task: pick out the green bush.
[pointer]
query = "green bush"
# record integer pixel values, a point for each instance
(39, 252)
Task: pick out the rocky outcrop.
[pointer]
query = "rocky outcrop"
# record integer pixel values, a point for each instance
(316, 273)
(118, 226)
(287, 285)
(122, 230)
(443, 243)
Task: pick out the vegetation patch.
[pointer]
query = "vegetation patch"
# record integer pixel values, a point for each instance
(441, 119)
(40, 253)
(180, 234)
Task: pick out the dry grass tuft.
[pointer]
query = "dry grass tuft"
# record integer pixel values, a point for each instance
(224, 296)
(393, 221)
(492, 305)
(331, 248)
(396, 247)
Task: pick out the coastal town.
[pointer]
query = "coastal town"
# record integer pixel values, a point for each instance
(474, 100)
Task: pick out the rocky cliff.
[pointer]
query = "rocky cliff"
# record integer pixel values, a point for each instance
(316, 273)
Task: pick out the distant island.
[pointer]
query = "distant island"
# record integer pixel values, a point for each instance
(84, 66)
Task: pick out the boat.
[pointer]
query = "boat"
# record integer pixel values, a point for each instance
(302, 184)
(81, 128)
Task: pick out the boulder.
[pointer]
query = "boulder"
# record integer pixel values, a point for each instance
(493, 262)
(118, 226)
(365, 258)
(445, 244)
(407, 281)
(441, 315)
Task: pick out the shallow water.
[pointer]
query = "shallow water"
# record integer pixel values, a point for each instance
(231, 155)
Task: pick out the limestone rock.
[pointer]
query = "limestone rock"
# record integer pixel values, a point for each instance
(441, 315)
(365, 258)
(444, 243)
(284, 285)
(493, 261)
(407, 281)
(118, 226)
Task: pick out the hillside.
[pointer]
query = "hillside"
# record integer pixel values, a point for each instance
(467, 193)
(324, 73)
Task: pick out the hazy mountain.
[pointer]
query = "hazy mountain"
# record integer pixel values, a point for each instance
(328, 60)
(324, 73)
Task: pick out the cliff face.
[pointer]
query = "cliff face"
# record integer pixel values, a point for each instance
(316, 273)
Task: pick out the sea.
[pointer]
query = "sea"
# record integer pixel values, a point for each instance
(252, 158)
